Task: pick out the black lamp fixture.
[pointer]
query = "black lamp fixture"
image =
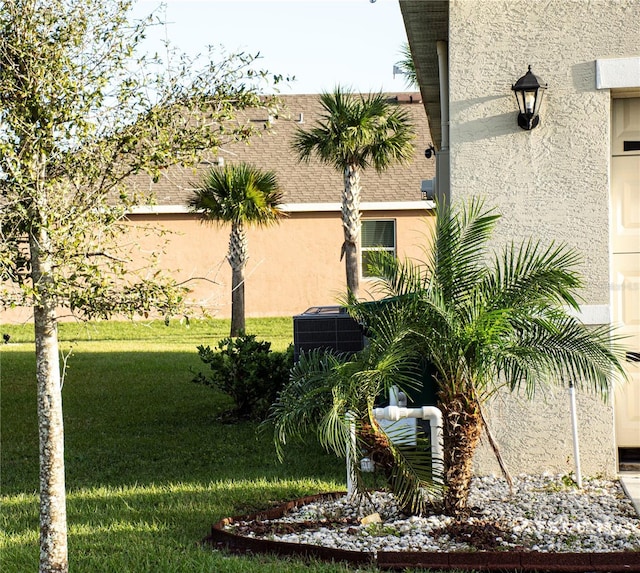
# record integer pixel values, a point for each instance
(529, 90)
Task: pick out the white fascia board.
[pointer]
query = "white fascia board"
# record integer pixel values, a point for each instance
(300, 207)
(372, 206)
(615, 73)
(159, 210)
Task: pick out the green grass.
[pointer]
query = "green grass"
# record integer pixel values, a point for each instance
(149, 463)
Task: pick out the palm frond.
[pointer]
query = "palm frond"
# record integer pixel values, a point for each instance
(394, 277)
(304, 400)
(531, 274)
(354, 130)
(560, 349)
(413, 480)
(238, 193)
(460, 247)
(407, 66)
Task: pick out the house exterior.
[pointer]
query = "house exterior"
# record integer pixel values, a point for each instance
(575, 178)
(296, 264)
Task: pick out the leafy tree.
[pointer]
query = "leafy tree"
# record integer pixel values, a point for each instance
(242, 195)
(354, 133)
(488, 321)
(79, 115)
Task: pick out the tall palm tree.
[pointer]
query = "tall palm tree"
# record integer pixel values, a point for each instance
(356, 132)
(488, 320)
(241, 195)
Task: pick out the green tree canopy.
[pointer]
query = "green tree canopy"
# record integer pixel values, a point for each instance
(80, 113)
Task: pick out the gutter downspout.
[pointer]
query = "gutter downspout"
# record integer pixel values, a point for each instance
(443, 175)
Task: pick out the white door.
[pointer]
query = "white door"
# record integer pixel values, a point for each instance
(625, 240)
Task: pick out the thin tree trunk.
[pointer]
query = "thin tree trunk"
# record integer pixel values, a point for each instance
(53, 513)
(237, 302)
(496, 452)
(237, 259)
(351, 227)
(462, 431)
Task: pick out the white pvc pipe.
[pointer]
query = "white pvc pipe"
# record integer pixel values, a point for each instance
(393, 413)
(351, 471)
(431, 413)
(574, 427)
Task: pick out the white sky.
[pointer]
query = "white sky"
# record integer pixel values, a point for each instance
(322, 43)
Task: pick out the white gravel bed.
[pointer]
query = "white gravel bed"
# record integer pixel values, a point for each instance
(543, 513)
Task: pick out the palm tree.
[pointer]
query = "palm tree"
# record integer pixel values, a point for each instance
(241, 195)
(492, 320)
(333, 395)
(354, 133)
(407, 67)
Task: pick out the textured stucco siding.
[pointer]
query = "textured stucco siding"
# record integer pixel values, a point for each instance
(535, 436)
(550, 183)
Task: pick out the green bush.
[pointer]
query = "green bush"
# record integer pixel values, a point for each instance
(247, 370)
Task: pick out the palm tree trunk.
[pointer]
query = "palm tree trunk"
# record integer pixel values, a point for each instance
(53, 513)
(351, 227)
(462, 422)
(237, 258)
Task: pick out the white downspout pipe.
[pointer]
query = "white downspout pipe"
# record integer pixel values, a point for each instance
(443, 161)
(574, 427)
(442, 49)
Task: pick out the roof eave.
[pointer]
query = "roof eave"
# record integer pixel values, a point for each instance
(427, 23)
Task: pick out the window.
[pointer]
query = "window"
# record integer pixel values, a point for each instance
(376, 236)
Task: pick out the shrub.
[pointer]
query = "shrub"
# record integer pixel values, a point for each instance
(247, 370)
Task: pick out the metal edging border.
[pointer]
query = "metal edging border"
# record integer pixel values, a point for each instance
(525, 561)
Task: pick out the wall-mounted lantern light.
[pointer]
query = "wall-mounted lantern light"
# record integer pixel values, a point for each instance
(529, 90)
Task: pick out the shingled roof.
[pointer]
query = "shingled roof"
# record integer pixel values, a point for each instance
(311, 182)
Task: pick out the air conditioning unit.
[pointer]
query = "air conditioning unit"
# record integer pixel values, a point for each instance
(329, 327)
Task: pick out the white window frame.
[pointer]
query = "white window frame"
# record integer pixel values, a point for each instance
(391, 249)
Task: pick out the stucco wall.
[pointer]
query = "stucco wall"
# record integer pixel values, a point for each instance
(551, 182)
(291, 266)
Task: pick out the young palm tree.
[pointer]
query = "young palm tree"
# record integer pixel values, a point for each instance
(356, 132)
(334, 394)
(487, 321)
(241, 195)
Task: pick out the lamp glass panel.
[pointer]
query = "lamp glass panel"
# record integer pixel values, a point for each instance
(530, 101)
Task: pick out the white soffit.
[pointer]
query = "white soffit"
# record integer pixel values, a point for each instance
(618, 73)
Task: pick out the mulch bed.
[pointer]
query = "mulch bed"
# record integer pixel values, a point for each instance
(219, 538)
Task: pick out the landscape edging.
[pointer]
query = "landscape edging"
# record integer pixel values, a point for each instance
(611, 562)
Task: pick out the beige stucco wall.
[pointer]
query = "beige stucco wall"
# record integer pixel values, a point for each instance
(291, 267)
(552, 182)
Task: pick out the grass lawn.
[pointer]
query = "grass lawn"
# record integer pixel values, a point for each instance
(149, 464)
